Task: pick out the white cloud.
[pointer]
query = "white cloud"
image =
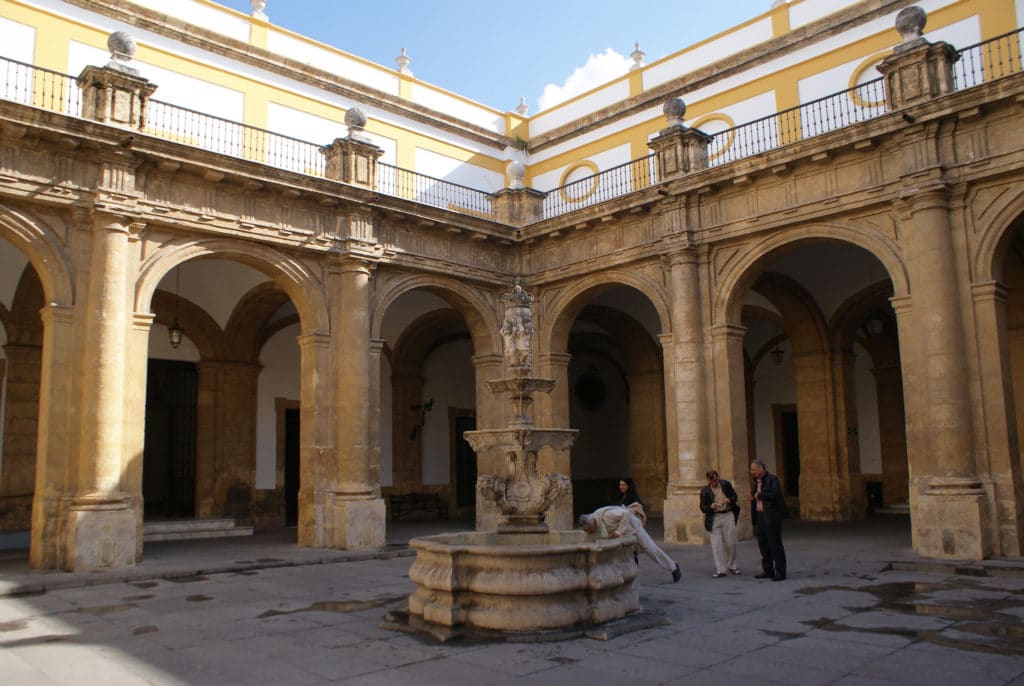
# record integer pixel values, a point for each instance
(598, 70)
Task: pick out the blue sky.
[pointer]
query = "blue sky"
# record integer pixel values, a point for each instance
(496, 52)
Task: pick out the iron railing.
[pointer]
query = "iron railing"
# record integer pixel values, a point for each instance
(988, 60)
(189, 127)
(30, 85)
(404, 183)
(39, 87)
(596, 188)
(838, 110)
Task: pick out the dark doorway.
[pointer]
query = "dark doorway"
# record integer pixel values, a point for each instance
(465, 464)
(789, 435)
(291, 466)
(169, 455)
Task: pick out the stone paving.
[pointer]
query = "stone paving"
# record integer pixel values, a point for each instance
(858, 608)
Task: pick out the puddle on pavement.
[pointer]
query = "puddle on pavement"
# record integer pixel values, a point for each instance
(191, 579)
(141, 596)
(975, 624)
(140, 630)
(198, 598)
(337, 606)
(144, 584)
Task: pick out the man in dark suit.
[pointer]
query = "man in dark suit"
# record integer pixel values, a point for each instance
(768, 508)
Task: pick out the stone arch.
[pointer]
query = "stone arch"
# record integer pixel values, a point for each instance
(737, 277)
(45, 251)
(565, 307)
(293, 277)
(199, 326)
(997, 237)
(246, 331)
(480, 315)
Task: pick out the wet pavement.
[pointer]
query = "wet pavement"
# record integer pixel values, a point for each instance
(858, 608)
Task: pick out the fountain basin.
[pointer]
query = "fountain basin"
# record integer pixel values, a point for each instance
(522, 581)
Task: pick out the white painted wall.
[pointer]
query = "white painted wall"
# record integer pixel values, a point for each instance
(289, 121)
(803, 13)
(450, 169)
(18, 42)
(442, 101)
(331, 61)
(218, 19)
(692, 59)
(564, 113)
(604, 160)
(450, 379)
(773, 385)
(214, 285)
(278, 378)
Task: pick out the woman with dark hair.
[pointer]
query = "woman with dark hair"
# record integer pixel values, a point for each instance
(631, 499)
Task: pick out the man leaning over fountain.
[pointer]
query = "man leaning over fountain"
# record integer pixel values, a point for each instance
(614, 521)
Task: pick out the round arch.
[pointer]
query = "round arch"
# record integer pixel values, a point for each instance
(44, 250)
(301, 285)
(737, 278)
(479, 314)
(566, 306)
(997, 237)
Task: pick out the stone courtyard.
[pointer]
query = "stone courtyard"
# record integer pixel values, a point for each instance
(859, 608)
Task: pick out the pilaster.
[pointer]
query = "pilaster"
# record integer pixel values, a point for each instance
(115, 97)
(518, 207)
(679, 149)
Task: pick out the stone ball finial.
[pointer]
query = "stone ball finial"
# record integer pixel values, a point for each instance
(355, 118)
(122, 46)
(522, 108)
(516, 171)
(257, 9)
(638, 57)
(675, 111)
(910, 23)
(403, 60)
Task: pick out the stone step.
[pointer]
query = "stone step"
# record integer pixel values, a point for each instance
(187, 529)
(895, 508)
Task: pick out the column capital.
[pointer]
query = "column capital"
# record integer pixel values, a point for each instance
(487, 359)
(729, 331)
(562, 359)
(989, 291)
(314, 340)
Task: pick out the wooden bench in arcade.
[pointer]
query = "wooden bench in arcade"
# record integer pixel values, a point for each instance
(403, 504)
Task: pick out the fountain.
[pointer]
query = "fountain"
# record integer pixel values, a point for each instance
(521, 577)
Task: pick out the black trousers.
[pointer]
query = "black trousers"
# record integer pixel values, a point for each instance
(769, 541)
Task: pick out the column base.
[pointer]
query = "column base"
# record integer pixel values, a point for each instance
(101, 532)
(684, 522)
(356, 523)
(950, 520)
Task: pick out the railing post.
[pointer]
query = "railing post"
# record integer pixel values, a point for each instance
(678, 149)
(116, 94)
(917, 71)
(353, 159)
(518, 205)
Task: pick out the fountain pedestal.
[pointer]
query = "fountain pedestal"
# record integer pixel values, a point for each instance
(522, 577)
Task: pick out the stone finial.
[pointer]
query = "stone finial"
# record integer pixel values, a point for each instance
(257, 9)
(522, 108)
(122, 49)
(403, 61)
(675, 111)
(515, 171)
(638, 56)
(355, 119)
(910, 23)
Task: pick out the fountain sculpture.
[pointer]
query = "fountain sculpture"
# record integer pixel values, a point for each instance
(521, 577)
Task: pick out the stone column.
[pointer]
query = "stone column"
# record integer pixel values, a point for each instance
(1005, 480)
(553, 412)
(137, 369)
(407, 448)
(690, 456)
(100, 526)
(731, 415)
(490, 414)
(317, 414)
(820, 473)
(355, 518)
(949, 507)
(647, 437)
(376, 350)
(53, 460)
